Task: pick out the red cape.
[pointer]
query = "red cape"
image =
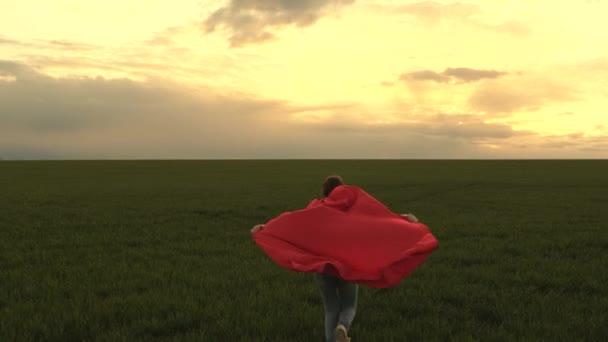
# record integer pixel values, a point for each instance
(350, 235)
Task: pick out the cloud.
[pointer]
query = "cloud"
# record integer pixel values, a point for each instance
(166, 36)
(595, 69)
(433, 13)
(17, 70)
(68, 44)
(251, 22)
(142, 61)
(451, 75)
(424, 75)
(86, 117)
(444, 136)
(452, 126)
(496, 97)
(471, 75)
(577, 141)
(557, 146)
(75, 117)
(52, 44)
(127, 64)
(8, 41)
(597, 144)
(465, 126)
(513, 27)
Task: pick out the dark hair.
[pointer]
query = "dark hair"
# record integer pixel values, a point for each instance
(331, 183)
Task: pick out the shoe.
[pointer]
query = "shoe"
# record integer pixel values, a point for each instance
(341, 335)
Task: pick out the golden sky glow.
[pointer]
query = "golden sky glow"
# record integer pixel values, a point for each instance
(272, 79)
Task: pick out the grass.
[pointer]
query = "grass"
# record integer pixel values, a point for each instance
(161, 251)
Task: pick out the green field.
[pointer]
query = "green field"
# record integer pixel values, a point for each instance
(161, 250)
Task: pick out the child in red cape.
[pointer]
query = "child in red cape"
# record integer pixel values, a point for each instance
(346, 238)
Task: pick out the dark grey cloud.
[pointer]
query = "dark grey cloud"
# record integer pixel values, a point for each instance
(451, 75)
(250, 22)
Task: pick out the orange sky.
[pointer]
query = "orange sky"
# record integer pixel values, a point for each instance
(303, 79)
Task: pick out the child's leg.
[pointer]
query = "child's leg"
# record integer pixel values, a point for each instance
(329, 293)
(348, 303)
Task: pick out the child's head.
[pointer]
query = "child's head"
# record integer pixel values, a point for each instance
(331, 183)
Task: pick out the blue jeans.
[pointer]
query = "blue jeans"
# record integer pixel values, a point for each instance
(340, 301)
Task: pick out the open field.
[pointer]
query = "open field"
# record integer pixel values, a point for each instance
(160, 250)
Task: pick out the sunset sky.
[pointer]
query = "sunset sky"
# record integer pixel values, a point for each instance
(156, 79)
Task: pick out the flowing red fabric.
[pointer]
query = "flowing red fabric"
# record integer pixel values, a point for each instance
(350, 235)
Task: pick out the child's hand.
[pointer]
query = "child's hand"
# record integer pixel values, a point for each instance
(410, 217)
(257, 228)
